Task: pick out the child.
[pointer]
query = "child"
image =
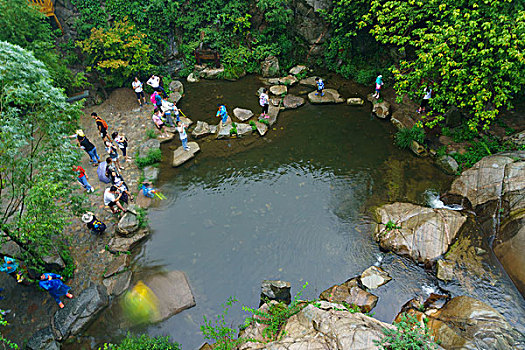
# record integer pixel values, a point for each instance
(113, 154)
(157, 119)
(379, 83)
(122, 143)
(102, 126)
(83, 178)
(137, 86)
(122, 188)
(320, 86)
(156, 99)
(149, 191)
(222, 113)
(10, 266)
(96, 226)
(54, 285)
(265, 103)
(181, 128)
(168, 108)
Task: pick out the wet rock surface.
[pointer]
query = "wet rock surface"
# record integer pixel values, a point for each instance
(374, 277)
(352, 293)
(118, 284)
(292, 101)
(43, 339)
(201, 129)
(181, 156)
(242, 114)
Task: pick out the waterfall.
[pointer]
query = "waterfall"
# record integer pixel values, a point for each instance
(434, 202)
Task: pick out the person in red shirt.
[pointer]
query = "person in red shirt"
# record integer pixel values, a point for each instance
(83, 178)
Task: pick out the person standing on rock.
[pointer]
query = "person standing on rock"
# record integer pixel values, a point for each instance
(112, 198)
(154, 82)
(426, 98)
(181, 128)
(102, 126)
(264, 101)
(83, 178)
(157, 120)
(139, 91)
(222, 113)
(54, 285)
(122, 143)
(379, 84)
(320, 86)
(87, 146)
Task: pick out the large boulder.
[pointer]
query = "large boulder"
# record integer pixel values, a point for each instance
(292, 101)
(330, 96)
(322, 326)
(402, 120)
(119, 264)
(117, 284)
(128, 224)
(278, 90)
(270, 67)
(172, 291)
(79, 312)
(352, 293)
(181, 156)
(201, 129)
(43, 339)
(422, 233)
(467, 323)
(126, 244)
(176, 86)
(275, 290)
(150, 144)
(374, 277)
(297, 70)
(242, 114)
(212, 72)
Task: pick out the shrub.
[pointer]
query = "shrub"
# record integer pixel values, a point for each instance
(154, 156)
(409, 334)
(143, 342)
(151, 134)
(142, 217)
(405, 136)
(218, 331)
(390, 225)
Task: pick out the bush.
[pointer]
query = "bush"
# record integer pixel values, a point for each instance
(409, 334)
(151, 134)
(405, 136)
(143, 342)
(142, 217)
(154, 156)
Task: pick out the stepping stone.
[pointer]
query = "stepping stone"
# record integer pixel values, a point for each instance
(180, 156)
(242, 114)
(374, 277)
(330, 96)
(261, 128)
(244, 129)
(202, 129)
(278, 90)
(297, 69)
(292, 101)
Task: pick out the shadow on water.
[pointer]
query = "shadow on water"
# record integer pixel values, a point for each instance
(293, 205)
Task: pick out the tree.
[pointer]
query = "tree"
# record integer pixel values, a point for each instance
(117, 53)
(36, 157)
(472, 52)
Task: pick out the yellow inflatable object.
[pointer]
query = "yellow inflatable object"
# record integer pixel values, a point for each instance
(140, 304)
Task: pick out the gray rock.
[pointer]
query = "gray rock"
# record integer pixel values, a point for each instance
(151, 173)
(278, 90)
(224, 131)
(445, 270)
(9, 247)
(275, 290)
(43, 339)
(186, 120)
(242, 114)
(355, 101)
(128, 224)
(374, 277)
(310, 82)
(79, 312)
(176, 86)
(402, 120)
(126, 244)
(289, 80)
(117, 265)
(53, 260)
(270, 67)
(118, 284)
(297, 70)
(261, 128)
(180, 156)
(146, 146)
(174, 97)
(212, 72)
(330, 96)
(202, 129)
(192, 78)
(448, 164)
(351, 293)
(213, 129)
(244, 129)
(172, 291)
(274, 81)
(273, 112)
(292, 101)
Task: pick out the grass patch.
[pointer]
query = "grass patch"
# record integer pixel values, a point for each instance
(142, 217)
(154, 156)
(151, 134)
(405, 136)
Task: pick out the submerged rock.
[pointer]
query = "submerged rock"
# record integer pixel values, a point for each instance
(202, 129)
(355, 101)
(242, 114)
(422, 233)
(275, 290)
(180, 156)
(374, 277)
(351, 293)
(330, 96)
(292, 101)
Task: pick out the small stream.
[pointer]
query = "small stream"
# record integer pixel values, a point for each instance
(294, 205)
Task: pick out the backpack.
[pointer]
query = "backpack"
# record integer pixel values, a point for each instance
(104, 124)
(152, 98)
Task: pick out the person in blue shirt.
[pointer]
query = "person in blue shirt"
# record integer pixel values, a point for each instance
(10, 267)
(56, 288)
(320, 86)
(222, 113)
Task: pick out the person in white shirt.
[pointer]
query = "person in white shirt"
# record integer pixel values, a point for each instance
(264, 102)
(182, 134)
(111, 199)
(154, 82)
(426, 99)
(139, 91)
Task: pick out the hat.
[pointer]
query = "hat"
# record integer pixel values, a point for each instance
(80, 133)
(380, 76)
(87, 217)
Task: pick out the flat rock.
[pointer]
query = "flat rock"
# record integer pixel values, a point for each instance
(117, 265)
(274, 81)
(242, 114)
(180, 156)
(355, 101)
(186, 120)
(374, 277)
(278, 90)
(201, 129)
(174, 97)
(176, 86)
(224, 131)
(126, 244)
(292, 101)
(310, 82)
(330, 96)
(275, 290)
(273, 112)
(261, 128)
(244, 129)
(43, 339)
(150, 144)
(213, 129)
(128, 224)
(297, 69)
(289, 80)
(118, 284)
(173, 293)
(79, 312)
(151, 173)
(212, 72)
(351, 293)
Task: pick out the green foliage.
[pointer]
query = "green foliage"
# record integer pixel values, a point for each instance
(390, 225)
(253, 125)
(485, 146)
(151, 134)
(218, 331)
(264, 121)
(471, 52)
(6, 342)
(142, 342)
(276, 316)
(117, 53)
(405, 136)
(35, 34)
(154, 156)
(409, 334)
(142, 217)
(36, 157)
